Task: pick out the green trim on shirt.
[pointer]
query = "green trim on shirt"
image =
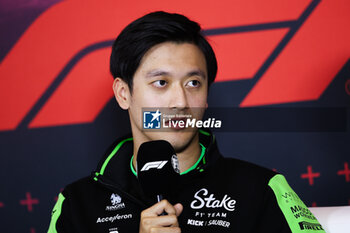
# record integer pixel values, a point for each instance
(298, 216)
(110, 156)
(201, 157)
(56, 212)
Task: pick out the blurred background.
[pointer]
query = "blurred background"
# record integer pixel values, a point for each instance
(58, 115)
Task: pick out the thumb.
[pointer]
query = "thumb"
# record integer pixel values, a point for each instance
(178, 209)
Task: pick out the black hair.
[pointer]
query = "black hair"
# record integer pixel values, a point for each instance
(152, 29)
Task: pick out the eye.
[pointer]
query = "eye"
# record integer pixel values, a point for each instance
(159, 83)
(194, 83)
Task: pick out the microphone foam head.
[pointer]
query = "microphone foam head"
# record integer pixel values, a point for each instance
(157, 168)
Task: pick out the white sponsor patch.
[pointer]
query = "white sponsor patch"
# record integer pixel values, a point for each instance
(115, 199)
(212, 222)
(211, 214)
(195, 222)
(175, 163)
(113, 218)
(113, 230)
(203, 199)
(220, 223)
(116, 202)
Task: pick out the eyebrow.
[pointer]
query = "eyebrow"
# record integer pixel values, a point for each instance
(156, 73)
(197, 73)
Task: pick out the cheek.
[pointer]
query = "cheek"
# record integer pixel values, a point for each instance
(198, 100)
(143, 97)
(139, 97)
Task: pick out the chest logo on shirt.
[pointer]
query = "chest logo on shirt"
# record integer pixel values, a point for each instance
(116, 201)
(202, 199)
(113, 230)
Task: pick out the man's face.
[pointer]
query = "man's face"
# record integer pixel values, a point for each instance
(174, 76)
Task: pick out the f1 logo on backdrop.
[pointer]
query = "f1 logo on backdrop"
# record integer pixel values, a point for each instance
(57, 72)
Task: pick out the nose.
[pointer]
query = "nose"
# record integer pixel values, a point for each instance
(178, 98)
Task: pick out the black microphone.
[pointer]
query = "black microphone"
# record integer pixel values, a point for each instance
(157, 169)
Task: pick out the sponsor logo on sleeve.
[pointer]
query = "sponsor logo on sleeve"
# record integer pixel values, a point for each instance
(297, 215)
(300, 211)
(310, 226)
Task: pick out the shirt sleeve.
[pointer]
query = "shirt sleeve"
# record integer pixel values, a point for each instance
(60, 220)
(287, 207)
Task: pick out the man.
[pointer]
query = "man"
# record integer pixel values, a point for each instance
(161, 60)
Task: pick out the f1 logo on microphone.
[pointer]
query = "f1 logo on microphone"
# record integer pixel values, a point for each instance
(156, 164)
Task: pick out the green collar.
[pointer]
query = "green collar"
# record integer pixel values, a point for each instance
(201, 158)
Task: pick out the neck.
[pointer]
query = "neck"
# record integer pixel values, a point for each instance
(190, 154)
(187, 156)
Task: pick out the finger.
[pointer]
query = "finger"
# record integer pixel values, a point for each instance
(160, 221)
(165, 230)
(178, 209)
(158, 209)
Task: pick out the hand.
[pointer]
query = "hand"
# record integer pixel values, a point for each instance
(151, 222)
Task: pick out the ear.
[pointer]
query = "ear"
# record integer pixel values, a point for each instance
(121, 93)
